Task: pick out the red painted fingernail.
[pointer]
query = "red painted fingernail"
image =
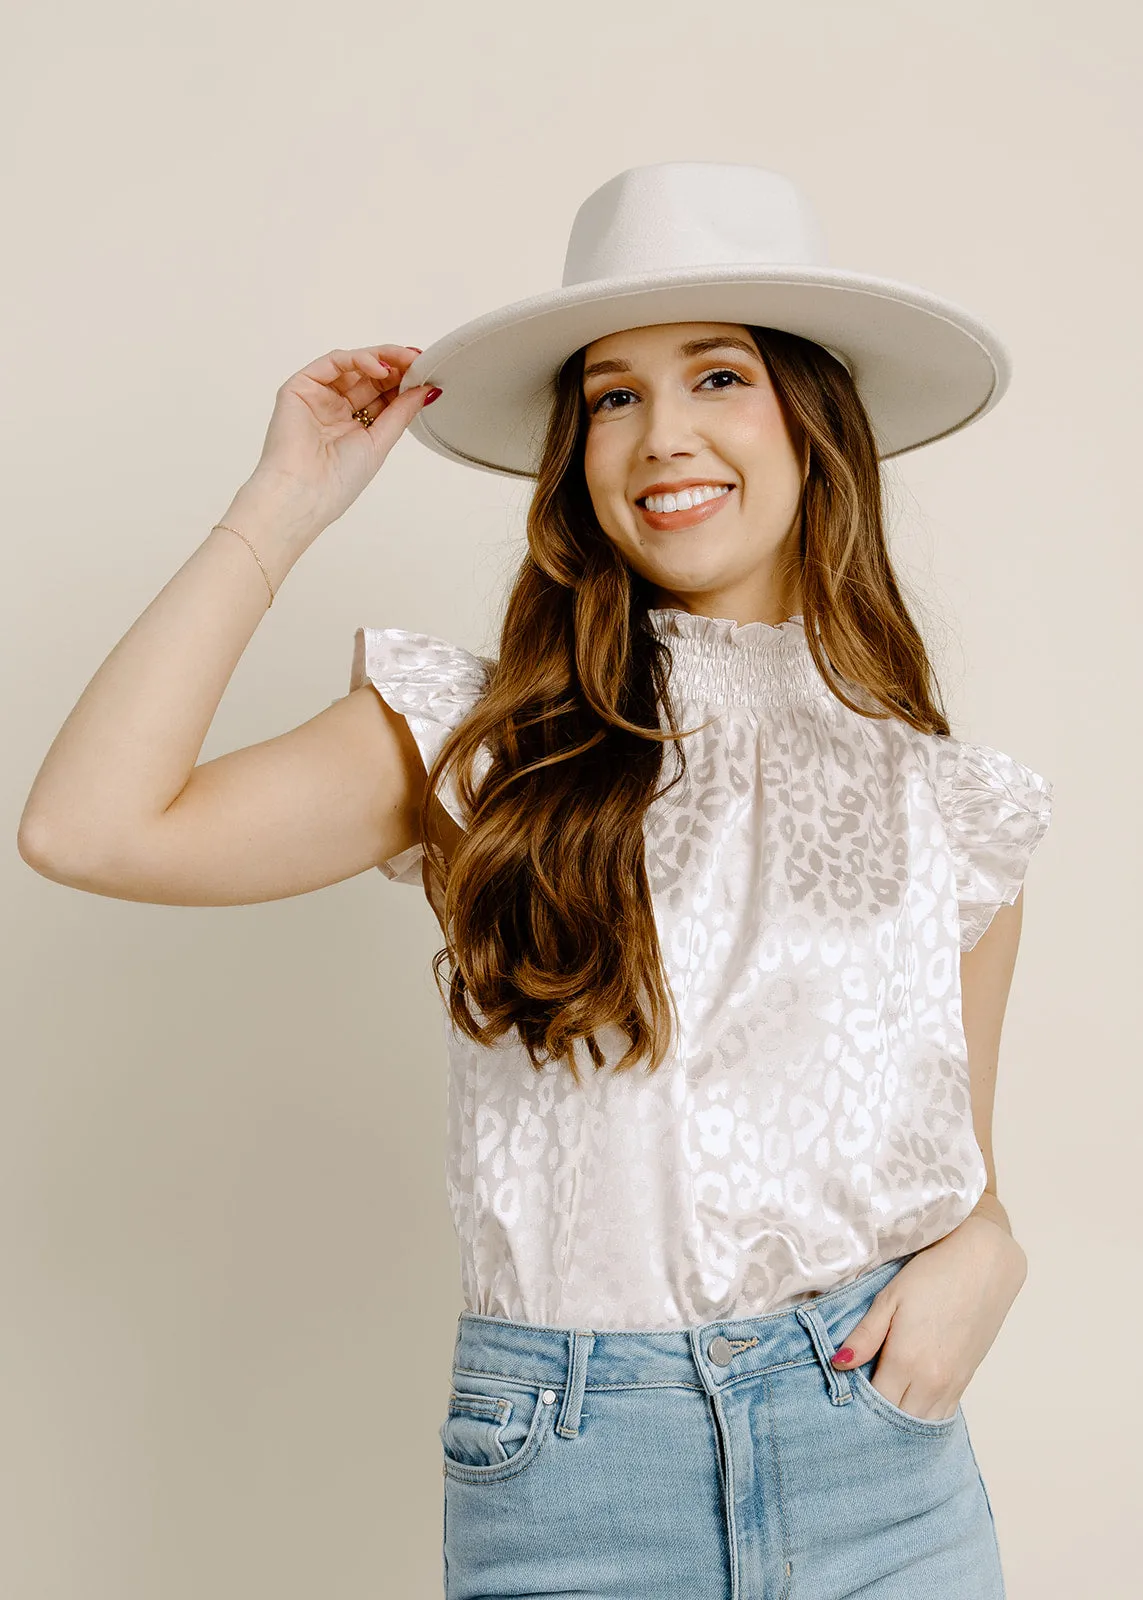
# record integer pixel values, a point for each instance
(432, 395)
(413, 347)
(844, 1355)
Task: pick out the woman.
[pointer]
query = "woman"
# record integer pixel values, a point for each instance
(723, 1017)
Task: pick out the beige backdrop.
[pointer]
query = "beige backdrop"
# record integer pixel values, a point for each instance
(229, 1277)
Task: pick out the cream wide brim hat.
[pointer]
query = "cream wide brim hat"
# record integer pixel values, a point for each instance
(704, 241)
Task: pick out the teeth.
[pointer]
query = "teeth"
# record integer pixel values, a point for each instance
(686, 499)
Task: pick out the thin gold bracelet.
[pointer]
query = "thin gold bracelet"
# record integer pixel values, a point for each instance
(254, 553)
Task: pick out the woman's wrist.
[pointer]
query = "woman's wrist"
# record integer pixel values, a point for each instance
(276, 522)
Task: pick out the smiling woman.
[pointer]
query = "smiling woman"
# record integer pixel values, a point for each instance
(721, 427)
(724, 999)
(566, 737)
(706, 858)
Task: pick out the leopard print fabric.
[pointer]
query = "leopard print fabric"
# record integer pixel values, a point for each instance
(814, 879)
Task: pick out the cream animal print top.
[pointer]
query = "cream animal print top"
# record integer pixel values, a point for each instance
(814, 879)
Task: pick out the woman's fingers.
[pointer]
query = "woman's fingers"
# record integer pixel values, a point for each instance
(368, 376)
(388, 363)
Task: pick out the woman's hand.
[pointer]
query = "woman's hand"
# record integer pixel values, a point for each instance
(936, 1319)
(317, 455)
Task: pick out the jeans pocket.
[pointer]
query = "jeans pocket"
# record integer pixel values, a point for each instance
(858, 1380)
(935, 1426)
(495, 1426)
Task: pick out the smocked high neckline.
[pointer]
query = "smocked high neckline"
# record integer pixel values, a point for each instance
(721, 662)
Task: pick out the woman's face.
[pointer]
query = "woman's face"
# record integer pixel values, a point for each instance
(662, 410)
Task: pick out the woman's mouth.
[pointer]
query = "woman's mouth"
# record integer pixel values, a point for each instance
(664, 521)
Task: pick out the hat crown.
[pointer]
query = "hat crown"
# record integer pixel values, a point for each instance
(680, 214)
(705, 241)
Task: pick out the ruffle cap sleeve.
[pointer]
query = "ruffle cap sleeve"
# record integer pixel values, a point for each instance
(995, 810)
(434, 685)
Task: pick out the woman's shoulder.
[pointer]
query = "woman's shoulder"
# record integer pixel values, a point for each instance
(995, 810)
(419, 673)
(434, 684)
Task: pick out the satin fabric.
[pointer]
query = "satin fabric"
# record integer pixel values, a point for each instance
(814, 878)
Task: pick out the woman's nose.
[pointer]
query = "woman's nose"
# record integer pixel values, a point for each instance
(668, 427)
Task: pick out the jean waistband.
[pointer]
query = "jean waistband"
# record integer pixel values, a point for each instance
(709, 1355)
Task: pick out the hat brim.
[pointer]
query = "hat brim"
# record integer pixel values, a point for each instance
(923, 366)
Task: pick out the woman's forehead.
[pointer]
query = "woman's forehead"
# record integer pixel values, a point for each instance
(664, 336)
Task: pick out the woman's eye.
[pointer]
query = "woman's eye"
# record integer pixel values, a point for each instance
(722, 372)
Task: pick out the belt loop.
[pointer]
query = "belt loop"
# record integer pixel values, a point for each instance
(580, 1343)
(840, 1390)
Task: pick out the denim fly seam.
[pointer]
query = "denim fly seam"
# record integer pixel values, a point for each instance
(703, 1463)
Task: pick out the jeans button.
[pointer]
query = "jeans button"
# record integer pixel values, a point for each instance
(720, 1351)
(548, 1397)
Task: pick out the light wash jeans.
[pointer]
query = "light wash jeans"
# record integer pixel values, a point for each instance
(726, 1461)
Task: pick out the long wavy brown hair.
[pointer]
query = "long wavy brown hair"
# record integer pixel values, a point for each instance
(544, 901)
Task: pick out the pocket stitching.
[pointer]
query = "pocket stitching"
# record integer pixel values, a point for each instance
(462, 1402)
(483, 1408)
(876, 1401)
(521, 1458)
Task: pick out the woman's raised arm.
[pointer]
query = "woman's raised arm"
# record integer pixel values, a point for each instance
(119, 807)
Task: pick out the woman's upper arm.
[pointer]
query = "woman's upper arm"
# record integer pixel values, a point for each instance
(322, 802)
(986, 973)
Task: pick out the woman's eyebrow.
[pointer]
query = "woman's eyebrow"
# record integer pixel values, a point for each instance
(692, 347)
